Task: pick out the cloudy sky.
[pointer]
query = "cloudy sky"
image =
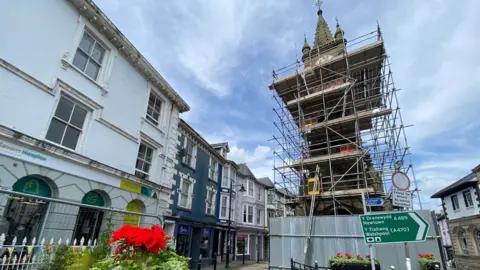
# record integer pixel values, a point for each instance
(219, 55)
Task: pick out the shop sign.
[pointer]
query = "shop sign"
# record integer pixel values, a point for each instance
(135, 188)
(184, 229)
(20, 152)
(206, 232)
(242, 235)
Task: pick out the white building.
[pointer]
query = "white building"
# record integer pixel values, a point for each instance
(83, 117)
(250, 218)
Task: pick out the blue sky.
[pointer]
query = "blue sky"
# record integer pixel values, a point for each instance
(219, 56)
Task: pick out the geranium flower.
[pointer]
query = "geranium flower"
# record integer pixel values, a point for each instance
(339, 255)
(348, 255)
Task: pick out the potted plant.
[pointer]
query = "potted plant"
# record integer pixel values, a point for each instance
(139, 248)
(427, 261)
(349, 262)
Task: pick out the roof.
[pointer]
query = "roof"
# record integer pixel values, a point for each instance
(201, 140)
(266, 181)
(465, 182)
(100, 21)
(322, 32)
(243, 169)
(220, 145)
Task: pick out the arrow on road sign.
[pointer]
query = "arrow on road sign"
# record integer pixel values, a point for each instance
(374, 202)
(394, 227)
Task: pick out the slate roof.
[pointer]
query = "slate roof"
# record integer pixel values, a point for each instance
(465, 182)
(266, 181)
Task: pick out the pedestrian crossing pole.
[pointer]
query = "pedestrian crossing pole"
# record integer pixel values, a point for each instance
(370, 246)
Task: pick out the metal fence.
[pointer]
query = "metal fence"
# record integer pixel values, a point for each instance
(343, 234)
(34, 230)
(300, 266)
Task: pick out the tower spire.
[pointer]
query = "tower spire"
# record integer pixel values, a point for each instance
(322, 33)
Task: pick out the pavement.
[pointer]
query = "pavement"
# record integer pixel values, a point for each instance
(249, 265)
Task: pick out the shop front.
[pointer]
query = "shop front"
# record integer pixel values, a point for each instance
(42, 174)
(250, 243)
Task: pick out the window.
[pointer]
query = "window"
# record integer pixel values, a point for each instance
(67, 123)
(233, 176)
(463, 243)
(259, 194)
(250, 188)
(154, 108)
(477, 234)
(144, 161)
(186, 193)
(271, 197)
(455, 203)
(232, 209)
(210, 210)
(248, 214)
(213, 170)
(467, 197)
(242, 243)
(259, 215)
(89, 56)
(190, 153)
(223, 205)
(226, 177)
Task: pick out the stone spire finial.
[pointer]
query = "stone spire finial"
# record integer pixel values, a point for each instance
(322, 33)
(338, 32)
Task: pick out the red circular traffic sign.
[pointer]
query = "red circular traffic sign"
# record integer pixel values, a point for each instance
(400, 181)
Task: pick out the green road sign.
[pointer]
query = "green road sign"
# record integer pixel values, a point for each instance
(394, 227)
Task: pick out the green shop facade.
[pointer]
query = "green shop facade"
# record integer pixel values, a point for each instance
(36, 173)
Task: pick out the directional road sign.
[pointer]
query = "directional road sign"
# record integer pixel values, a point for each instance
(394, 227)
(374, 202)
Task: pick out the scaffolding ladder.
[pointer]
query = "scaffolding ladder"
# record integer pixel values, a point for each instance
(310, 217)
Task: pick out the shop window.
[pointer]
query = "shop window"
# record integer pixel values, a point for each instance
(23, 216)
(183, 240)
(205, 243)
(243, 244)
(89, 221)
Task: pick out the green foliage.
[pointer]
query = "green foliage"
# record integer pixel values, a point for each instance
(425, 260)
(103, 249)
(340, 260)
(63, 257)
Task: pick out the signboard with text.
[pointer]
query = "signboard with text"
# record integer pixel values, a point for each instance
(402, 198)
(394, 227)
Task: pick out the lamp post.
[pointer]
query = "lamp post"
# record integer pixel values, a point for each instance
(242, 189)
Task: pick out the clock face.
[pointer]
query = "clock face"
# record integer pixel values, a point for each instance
(324, 59)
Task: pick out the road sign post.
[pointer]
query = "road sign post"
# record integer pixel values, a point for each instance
(394, 227)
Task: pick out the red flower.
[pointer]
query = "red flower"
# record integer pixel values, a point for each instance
(339, 255)
(368, 257)
(358, 256)
(151, 239)
(348, 255)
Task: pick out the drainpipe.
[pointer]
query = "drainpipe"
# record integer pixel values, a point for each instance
(166, 154)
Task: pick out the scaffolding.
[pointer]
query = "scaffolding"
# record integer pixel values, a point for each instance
(338, 109)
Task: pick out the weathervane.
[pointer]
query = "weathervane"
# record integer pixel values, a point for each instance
(319, 3)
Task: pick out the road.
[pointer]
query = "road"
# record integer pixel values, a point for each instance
(239, 266)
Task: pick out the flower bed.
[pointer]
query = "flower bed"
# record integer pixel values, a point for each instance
(349, 262)
(141, 248)
(425, 260)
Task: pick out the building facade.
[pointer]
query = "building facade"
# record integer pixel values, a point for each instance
(461, 205)
(194, 208)
(250, 216)
(98, 124)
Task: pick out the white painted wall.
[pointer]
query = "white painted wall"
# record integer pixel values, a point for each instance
(243, 198)
(35, 37)
(445, 233)
(463, 211)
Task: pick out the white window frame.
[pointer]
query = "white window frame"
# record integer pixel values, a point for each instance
(152, 163)
(467, 199)
(226, 177)
(259, 193)
(258, 218)
(210, 190)
(213, 169)
(158, 122)
(109, 57)
(193, 161)
(189, 193)
(86, 122)
(222, 205)
(250, 186)
(245, 217)
(455, 202)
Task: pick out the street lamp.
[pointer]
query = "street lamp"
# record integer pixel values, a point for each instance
(242, 189)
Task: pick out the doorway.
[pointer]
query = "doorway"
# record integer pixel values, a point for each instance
(89, 221)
